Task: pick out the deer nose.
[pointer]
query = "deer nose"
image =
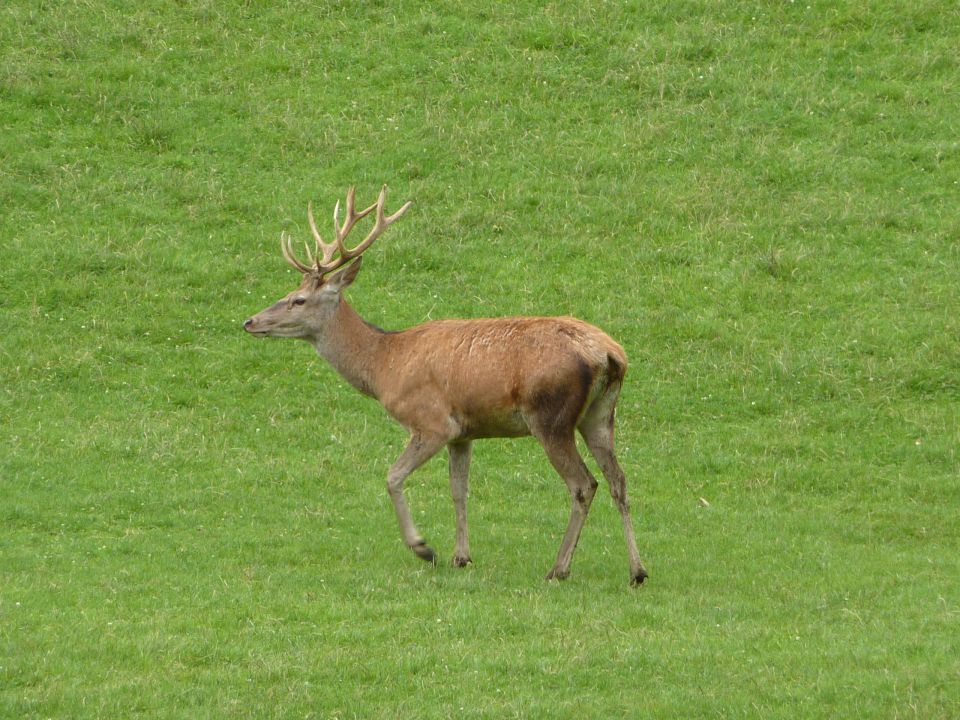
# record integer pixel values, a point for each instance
(247, 325)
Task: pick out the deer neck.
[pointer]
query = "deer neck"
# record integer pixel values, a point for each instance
(351, 345)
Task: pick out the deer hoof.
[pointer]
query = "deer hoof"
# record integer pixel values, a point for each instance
(638, 578)
(424, 552)
(461, 561)
(556, 574)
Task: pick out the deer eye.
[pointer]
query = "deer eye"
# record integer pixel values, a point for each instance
(299, 300)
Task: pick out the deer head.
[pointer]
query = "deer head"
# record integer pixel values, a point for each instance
(305, 312)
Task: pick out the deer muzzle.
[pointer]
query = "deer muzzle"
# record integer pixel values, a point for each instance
(250, 325)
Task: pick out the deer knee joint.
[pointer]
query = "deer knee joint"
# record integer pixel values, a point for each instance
(584, 495)
(395, 484)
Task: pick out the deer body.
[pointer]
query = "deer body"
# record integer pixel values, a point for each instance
(475, 378)
(449, 382)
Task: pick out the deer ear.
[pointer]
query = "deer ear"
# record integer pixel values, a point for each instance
(338, 281)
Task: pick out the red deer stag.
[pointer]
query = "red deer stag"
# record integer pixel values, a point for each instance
(449, 382)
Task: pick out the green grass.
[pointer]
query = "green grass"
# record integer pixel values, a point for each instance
(758, 200)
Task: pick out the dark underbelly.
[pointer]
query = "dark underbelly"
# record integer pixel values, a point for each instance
(507, 426)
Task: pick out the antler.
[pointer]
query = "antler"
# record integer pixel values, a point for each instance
(329, 256)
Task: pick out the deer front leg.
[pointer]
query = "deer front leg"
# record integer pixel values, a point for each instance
(419, 449)
(459, 474)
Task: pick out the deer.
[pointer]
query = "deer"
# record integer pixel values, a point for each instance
(450, 382)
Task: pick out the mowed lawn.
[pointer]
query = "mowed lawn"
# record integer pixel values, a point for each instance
(760, 201)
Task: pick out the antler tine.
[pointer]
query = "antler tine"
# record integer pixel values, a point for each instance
(397, 215)
(382, 223)
(313, 223)
(290, 257)
(325, 251)
(338, 231)
(351, 219)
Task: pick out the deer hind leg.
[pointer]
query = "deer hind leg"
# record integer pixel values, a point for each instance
(597, 430)
(561, 449)
(420, 449)
(459, 474)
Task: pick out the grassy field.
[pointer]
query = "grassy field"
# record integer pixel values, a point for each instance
(759, 200)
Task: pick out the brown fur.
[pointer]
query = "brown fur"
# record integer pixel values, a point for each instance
(481, 377)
